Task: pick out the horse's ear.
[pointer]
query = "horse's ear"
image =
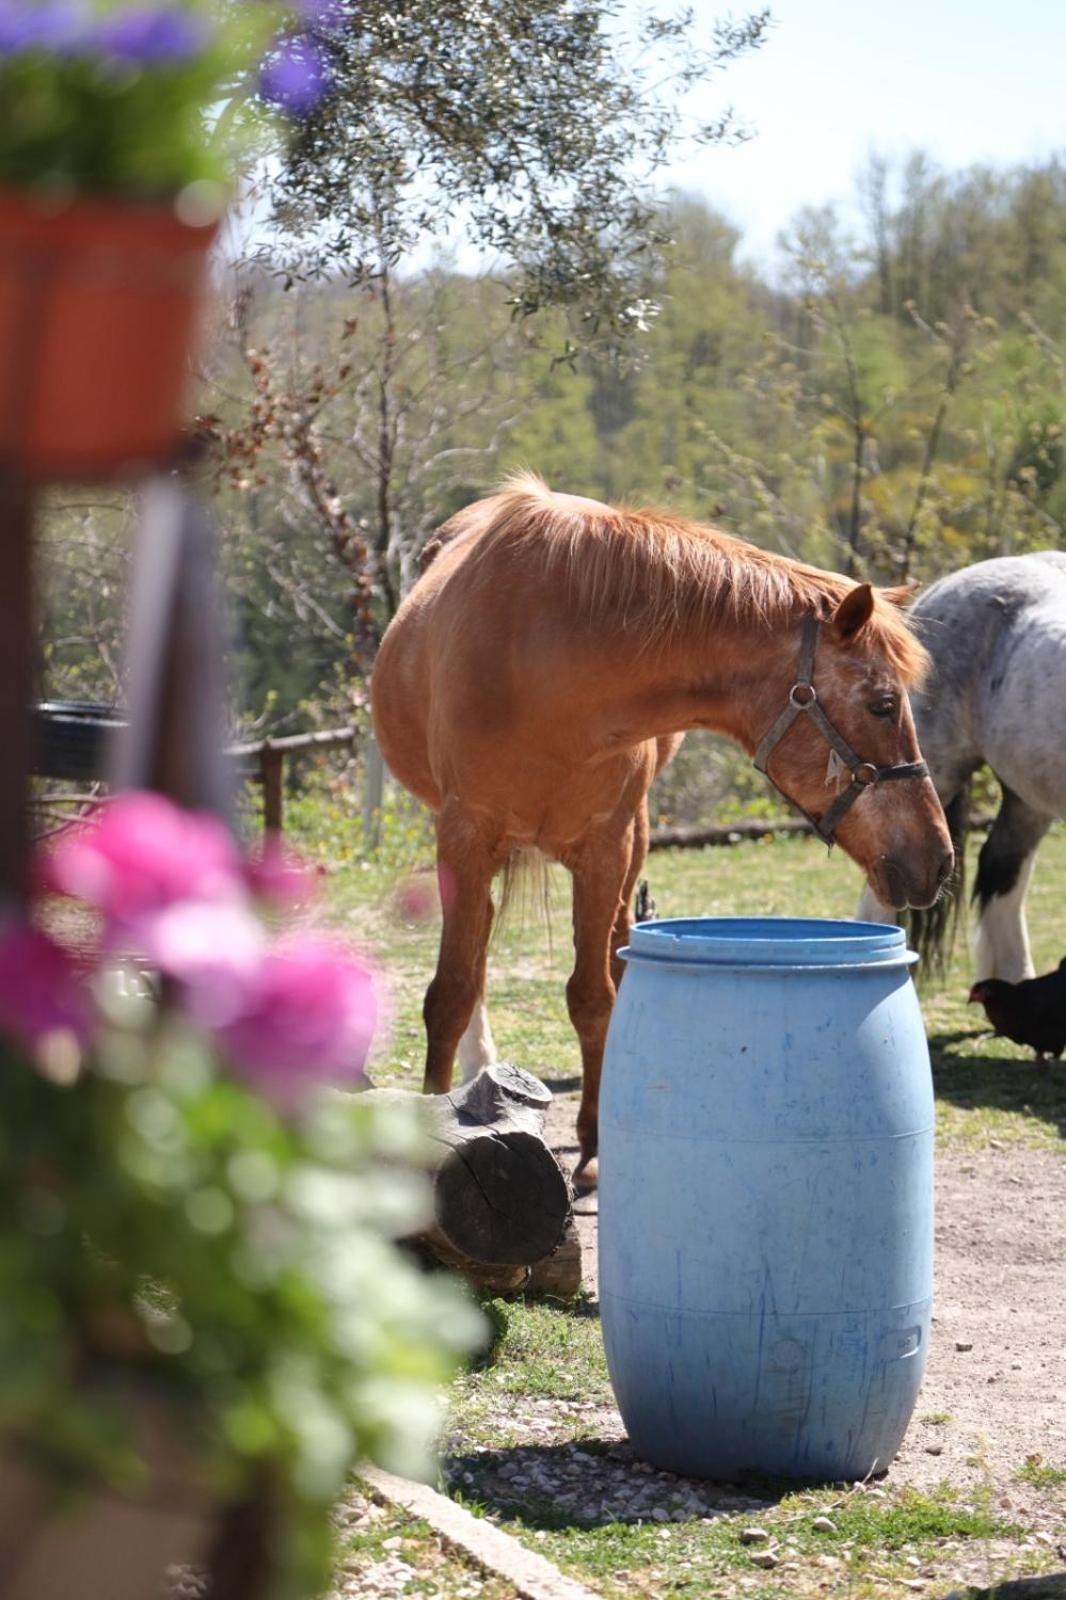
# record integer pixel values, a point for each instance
(853, 613)
(900, 593)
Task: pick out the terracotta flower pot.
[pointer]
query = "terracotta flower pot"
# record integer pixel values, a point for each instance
(99, 307)
(95, 1542)
(101, 1547)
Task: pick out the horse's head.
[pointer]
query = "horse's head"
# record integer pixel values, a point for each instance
(843, 747)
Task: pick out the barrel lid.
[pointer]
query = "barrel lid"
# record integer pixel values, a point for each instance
(769, 942)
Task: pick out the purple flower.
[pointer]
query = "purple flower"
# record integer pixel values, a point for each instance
(144, 854)
(56, 25)
(309, 1020)
(151, 36)
(41, 990)
(295, 75)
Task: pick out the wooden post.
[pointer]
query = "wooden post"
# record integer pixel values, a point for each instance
(18, 645)
(272, 773)
(373, 794)
(175, 676)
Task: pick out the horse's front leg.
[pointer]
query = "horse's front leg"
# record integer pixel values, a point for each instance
(599, 871)
(465, 867)
(1004, 868)
(623, 922)
(477, 1047)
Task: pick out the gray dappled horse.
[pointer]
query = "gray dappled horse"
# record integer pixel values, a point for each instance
(996, 693)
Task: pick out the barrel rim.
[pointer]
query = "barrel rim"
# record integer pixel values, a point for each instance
(769, 943)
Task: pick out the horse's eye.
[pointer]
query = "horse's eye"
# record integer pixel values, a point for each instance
(886, 706)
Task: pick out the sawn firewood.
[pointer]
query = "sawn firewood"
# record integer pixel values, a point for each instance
(501, 1201)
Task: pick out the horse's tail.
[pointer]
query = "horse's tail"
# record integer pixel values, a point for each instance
(932, 932)
(525, 888)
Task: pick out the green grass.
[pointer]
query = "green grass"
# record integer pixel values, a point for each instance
(1041, 1474)
(551, 1353)
(371, 1542)
(869, 1539)
(987, 1088)
(546, 1386)
(418, 1563)
(544, 1353)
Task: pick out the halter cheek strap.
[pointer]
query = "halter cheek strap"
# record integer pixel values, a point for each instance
(803, 702)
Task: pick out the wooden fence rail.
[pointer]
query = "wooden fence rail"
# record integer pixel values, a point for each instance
(267, 764)
(728, 833)
(725, 833)
(72, 737)
(72, 741)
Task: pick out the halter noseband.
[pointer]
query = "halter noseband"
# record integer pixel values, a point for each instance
(803, 701)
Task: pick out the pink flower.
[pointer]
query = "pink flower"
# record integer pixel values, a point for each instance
(309, 1020)
(145, 853)
(417, 898)
(278, 876)
(41, 990)
(214, 949)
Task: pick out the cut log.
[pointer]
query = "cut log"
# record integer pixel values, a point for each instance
(500, 1197)
(558, 1276)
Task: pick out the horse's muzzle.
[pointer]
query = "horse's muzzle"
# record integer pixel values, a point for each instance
(904, 886)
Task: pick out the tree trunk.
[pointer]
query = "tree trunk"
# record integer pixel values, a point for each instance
(373, 793)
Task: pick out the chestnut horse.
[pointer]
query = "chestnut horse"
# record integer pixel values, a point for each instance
(547, 665)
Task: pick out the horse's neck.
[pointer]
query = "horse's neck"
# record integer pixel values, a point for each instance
(731, 676)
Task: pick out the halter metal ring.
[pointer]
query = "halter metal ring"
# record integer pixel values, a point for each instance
(866, 774)
(802, 695)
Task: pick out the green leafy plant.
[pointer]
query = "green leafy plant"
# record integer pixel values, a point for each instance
(1040, 1473)
(187, 1211)
(108, 97)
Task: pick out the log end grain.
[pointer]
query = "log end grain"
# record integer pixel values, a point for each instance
(502, 1197)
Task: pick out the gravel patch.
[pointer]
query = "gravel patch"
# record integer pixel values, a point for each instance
(593, 1486)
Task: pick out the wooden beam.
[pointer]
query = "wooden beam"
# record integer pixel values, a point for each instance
(272, 776)
(324, 739)
(174, 660)
(18, 648)
(728, 833)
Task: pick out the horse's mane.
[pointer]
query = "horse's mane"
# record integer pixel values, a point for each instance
(619, 561)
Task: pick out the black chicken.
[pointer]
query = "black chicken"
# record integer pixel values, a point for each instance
(1032, 1012)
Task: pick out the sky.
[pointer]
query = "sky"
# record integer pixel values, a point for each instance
(965, 80)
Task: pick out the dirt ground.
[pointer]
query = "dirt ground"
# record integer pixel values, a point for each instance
(997, 1367)
(994, 1398)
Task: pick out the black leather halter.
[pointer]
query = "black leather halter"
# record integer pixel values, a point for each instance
(803, 701)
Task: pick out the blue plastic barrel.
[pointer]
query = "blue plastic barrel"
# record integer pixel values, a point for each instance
(766, 1197)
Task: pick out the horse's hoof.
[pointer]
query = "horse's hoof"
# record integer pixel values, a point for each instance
(586, 1174)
